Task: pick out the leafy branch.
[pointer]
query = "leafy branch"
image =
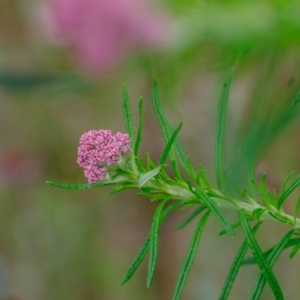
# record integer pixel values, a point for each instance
(253, 204)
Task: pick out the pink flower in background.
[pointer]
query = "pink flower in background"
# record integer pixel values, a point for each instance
(103, 32)
(18, 167)
(99, 149)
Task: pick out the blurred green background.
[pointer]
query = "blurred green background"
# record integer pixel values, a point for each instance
(63, 244)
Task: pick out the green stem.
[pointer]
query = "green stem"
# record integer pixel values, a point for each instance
(177, 192)
(181, 191)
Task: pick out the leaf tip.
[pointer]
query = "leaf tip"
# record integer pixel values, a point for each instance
(123, 281)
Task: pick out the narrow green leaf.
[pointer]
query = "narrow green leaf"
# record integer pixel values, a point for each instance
(182, 155)
(169, 145)
(286, 182)
(121, 187)
(260, 258)
(234, 225)
(235, 267)
(159, 196)
(150, 164)
(272, 258)
(294, 250)
(288, 191)
(190, 218)
(190, 202)
(280, 218)
(175, 169)
(290, 243)
(163, 123)
(127, 115)
(266, 196)
(202, 180)
(84, 186)
(145, 177)
(190, 257)
(190, 169)
(212, 206)
(296, 100)
(144, 250)
(168, 210)
(296, 209)
(220, 134)
(264, 181)
(258, 212)
(148, 189)
(154, 241)
(137, 260)
(140, 128)
(250, 154)
(139, 165)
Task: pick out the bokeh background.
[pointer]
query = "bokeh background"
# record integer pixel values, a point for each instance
(62, 66)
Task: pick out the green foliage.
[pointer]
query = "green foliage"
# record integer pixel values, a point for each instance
(127, 115)
(250, 153)
(154, 241)
(215, 210)
(264, 265)
(145, 248)
(163, 124)
(295, 250)
(290, 243)
(145, 177)
(235, 267)
(159, 112)
(190, 257)
(272, 258)
(140, 128)
(253, 203)
(84, 186)
(296, 100)
(220, 135)
(169, 145)
(191, 217)
(288, 191)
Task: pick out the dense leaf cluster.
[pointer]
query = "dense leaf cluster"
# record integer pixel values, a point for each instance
(255, 204)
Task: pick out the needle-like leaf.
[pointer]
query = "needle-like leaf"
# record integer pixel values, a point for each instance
(140, 128)
(154, 241)
(169, 145)
(190, 257)
(191, 217)
(221, 120)
(288, 191)
(235, 267)
(272, 258)
(215, 210)
(145, 248)
(127, 115)
(260, 258)
(163, 123)
(84, 186)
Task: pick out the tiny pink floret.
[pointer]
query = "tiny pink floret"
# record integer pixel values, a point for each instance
(123, 141)
(99, 149)
(95, 174)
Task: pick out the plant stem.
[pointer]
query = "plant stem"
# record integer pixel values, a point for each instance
(178, 192)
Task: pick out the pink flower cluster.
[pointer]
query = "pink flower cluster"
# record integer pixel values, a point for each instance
(99, 149)
(102, 32)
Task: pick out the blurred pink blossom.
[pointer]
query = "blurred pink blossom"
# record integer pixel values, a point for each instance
(17, 167)
(103, 32)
